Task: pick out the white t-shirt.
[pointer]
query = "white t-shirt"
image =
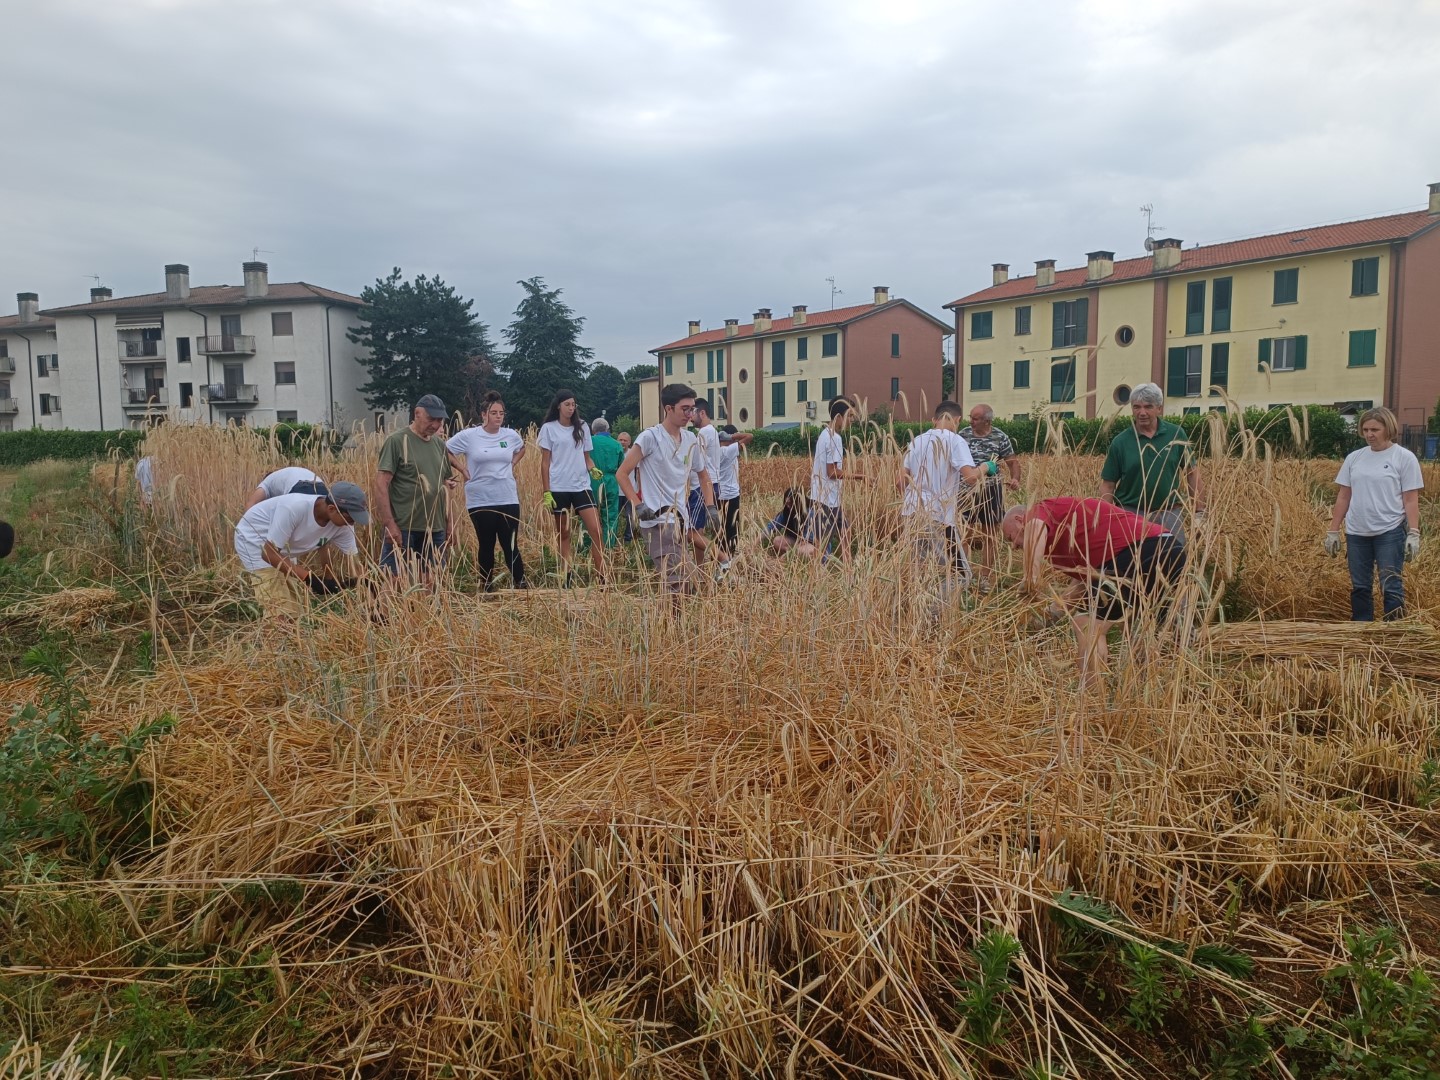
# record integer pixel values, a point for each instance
(727, 473)
(709, 440)
(145, 478)
(281, 481)
(665, 469)
(1377, 479)
(934, 460)
(568, 471)
(491, 461)
(288, 522)
(829, 450)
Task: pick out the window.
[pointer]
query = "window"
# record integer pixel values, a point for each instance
(1191, 410)
(187, 395)
(719, 365)
(1184, 375)
(1125, 336)
(830, 345)
(829, 389)
(282, 324)
(982, 325)
(894, 344)
(45, 408)
(777, 358)
(894, 389)
(1287, 286)
(744, 375)
(777, 399)
(1022, 374)
(1195, 307)
(744, 416)
(802, 389)
(689, 363)
(802, 348)
(42, 365)
(1362, 348)
(1365, 277)
(1071, 323)
(1220, 305)
(669, 370)
(1121, 396)
(287, 416)
(1283, 354)
(709, 365)
(182, 350)
(229, 325)
(1062, 378)
(1022, 320)
(1219, 367)
(285, 373)
(710, 400)
(979, 376)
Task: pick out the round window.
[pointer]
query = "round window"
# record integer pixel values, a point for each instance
(1122, 395)
(1125, 335)
(744, 415)
(744, 375)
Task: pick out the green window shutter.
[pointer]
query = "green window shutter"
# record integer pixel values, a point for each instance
(1362, 348)
(1022, 374)
(1082, 321)
(894, 344)
(1220, 305)
(979, 376)
(1057, 324)
(802, 388)
(709, 365)
(1300, 352)
(669, 365)
(1264, 353)
(1175, 372)
(802, 348)
(777, 399)
(1220, 366)
(719, 365)
(828, 389)
(830, 345)
(1195, 307)
(1357, 279)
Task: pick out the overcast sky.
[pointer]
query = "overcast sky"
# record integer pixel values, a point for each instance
(663, 160)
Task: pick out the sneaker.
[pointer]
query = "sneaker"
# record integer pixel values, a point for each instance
(721, 570)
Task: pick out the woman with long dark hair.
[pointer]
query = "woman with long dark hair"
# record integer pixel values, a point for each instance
(491, 452)
(566, 470)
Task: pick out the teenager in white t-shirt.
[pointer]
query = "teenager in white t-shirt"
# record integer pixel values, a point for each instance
(272, 534)
(936, 464)
(709, 439)
(727, 490)
(663, 459)
(1379, 503)
(826, 522)
(492, 499)
(566, 471)
(292, 479)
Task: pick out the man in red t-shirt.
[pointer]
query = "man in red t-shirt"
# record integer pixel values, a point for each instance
(1117, 560)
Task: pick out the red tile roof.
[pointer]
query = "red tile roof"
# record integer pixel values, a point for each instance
(215, 296)
(1347, 234)
(837, 317)
(12, 322)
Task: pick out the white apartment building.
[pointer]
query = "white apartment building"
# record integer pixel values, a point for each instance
(255, 354)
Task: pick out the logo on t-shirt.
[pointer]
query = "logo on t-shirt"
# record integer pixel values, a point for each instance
(503, 444)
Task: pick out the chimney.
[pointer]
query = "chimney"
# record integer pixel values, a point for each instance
(177, 281)
(1166, 253)
(257, 279)
(1099, 264)
(29, 306)
(1435, 198)
(100, 294)
(882, 294)
(999, 273)
(732, 327)
(762, 321)
(797, 315)
(1044, 273)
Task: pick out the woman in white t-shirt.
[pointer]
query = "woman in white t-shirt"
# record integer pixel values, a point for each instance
(566, 471)
(491, 452)
(1379, 503)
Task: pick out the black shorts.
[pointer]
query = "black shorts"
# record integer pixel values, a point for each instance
(573, 500)
(1143, 571)
(984, 505)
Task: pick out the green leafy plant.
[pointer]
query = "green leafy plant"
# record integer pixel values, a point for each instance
(981, 1004)
(1149, 991)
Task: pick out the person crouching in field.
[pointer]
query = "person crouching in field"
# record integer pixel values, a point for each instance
(292, 480)
(273, 533)
(1118, 561)
(785, 532)
(936, 464)
(663, 458)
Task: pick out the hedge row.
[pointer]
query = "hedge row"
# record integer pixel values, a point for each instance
(19, 448)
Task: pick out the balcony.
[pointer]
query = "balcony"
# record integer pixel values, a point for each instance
(140, 351)
(226, 345)
(9, 406)
(230, 394)
(7, 365)
(153, 397)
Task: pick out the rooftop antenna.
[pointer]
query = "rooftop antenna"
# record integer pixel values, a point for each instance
(255, 253)
(96, 278)
(834, 292)
(1150, 227)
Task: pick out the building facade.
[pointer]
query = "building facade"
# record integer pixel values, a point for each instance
(1343, 315)
(255, 354)
(775, 372)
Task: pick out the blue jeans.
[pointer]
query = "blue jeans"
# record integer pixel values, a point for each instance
(1367, 553)
(425, 546)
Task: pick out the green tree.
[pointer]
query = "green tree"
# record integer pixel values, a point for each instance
(545, 354)
(947, 381)
(421, 336)
(629, 403)
(602, 390)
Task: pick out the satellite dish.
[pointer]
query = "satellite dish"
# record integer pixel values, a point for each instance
(1149, 244)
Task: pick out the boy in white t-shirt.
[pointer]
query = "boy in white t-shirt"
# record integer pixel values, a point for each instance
(272, 533)
(664, 457)
(292, 480)
(826, 522)
(936, 464)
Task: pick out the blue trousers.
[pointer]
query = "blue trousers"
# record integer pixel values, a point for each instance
(1365, 555)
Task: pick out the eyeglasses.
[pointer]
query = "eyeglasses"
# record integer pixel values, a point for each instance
(685, 409)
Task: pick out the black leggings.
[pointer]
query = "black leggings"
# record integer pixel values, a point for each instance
(500, 523)
(730, 511)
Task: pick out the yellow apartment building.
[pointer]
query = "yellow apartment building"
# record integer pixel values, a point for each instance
(1344, 315)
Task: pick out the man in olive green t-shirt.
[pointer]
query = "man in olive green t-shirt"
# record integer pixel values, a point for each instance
(412, 484)
(1144, 466)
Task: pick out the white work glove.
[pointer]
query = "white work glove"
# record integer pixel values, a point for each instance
(1332, 543)
(1412, 545)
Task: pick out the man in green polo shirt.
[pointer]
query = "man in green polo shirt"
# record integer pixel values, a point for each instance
(1144, 466)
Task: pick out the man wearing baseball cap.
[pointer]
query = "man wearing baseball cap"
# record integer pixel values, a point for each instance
(411, 488)
(273, 534)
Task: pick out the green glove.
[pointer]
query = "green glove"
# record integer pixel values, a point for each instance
(595, 473)
(992, 468)
(549, 501)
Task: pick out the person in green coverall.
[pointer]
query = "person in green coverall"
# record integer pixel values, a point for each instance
(607, 455)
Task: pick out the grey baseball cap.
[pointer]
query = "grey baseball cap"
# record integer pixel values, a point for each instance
(350, 498)
(433, 406)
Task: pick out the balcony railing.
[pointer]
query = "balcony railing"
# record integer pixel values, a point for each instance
(7, 365)
(9, 406)
(146, 397)
(141, 350)
(232, 394)
(226, 345)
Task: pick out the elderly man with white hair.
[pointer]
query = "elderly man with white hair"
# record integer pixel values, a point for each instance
(607, 453)
(1145, 465)
(984, 504)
